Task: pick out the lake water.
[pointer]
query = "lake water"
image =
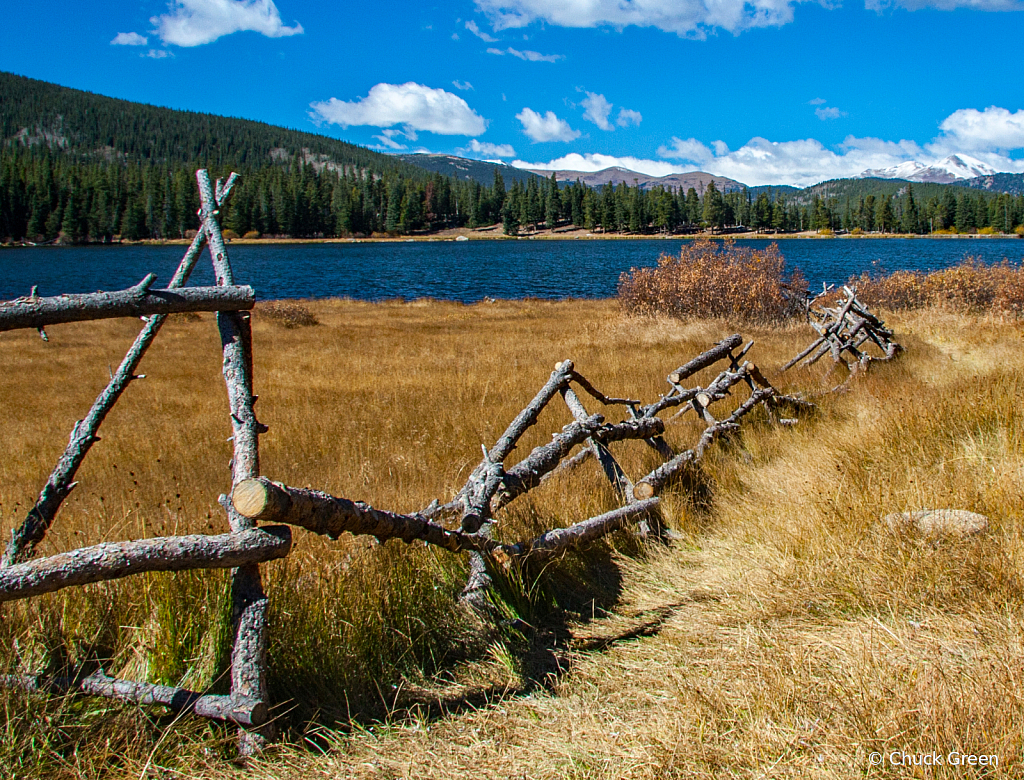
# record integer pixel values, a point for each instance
(464, 270)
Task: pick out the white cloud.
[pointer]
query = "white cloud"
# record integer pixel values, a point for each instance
(690, 18)
(195, 22)
(588, 163)
(156, 54)
(991, 130)
(129, 39)
(529, 56)
(817, 102)
(945, 5)
(828, 112)
(387, 140)
(415, 106)
(463, 85)
(629, 117)
(989, 136)
(482, 148)
(471, 26)
(547, 127)
(689, 149)
(684, 17)
(598, 109)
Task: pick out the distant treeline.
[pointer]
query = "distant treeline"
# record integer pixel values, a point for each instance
(46, 195)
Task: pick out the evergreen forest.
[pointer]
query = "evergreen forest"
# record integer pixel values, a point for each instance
(77, 167)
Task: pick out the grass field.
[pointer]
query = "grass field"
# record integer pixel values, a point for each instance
(786, 633)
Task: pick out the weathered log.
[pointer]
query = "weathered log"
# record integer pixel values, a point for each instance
(244, 712)
(560, 540)
(611, 468)
(325, 514)
(778, 398)
(250, 605)
(652, 483)
(804, 353)
(37, 522)
(474, 498)
(718, 352)
(568, 464)
(113, 560)
(266, 501)
(263, 500)
(525, 419)
(528, 473)
(136, 301)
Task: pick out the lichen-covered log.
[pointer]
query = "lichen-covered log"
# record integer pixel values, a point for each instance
(718, 352)
(140, 300)
(261, 499)
(114, 560)
(475, 497)
(330, 516)
(651, 484)
(244, 712)
(250, 606)
(560, 540)
(528, 473)
(612, 470)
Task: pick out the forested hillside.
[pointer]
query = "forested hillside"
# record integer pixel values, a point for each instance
(78, 167)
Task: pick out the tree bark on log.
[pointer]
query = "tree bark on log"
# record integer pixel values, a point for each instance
(560, 540)
(263, 500)
(37, 522)
(330, 516)
(250, 605)
(651, 484)
(475, 497)
(611, 468)
(528, 473)
(244, 712)
(113, 560)
(705, 359)
(137, 301)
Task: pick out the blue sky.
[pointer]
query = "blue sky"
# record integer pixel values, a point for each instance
(763, 91)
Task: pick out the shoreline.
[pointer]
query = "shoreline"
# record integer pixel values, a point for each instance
(492, 234)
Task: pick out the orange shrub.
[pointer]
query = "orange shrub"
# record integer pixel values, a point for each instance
(970, 286)
(716, 279)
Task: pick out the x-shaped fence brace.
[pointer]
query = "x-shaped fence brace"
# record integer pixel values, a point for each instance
(463, 524)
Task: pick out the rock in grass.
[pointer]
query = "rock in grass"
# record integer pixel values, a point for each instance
(935, 523)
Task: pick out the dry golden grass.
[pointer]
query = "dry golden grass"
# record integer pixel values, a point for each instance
(786, 633)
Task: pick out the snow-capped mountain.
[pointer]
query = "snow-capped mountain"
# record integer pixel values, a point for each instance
(953, 168)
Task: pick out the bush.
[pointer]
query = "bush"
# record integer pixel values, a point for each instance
(970, 286)
(712, 279)
(290, 315)
(229, 234)
(252, 234)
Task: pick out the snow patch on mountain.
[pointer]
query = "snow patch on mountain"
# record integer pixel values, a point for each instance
(956, 167)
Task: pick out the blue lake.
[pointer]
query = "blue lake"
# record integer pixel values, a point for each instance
(464, 271)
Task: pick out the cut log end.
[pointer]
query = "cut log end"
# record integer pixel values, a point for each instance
(643, 490)
(251, 498)
(674, 378)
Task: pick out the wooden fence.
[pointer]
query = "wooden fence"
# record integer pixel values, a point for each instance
(462, 524)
